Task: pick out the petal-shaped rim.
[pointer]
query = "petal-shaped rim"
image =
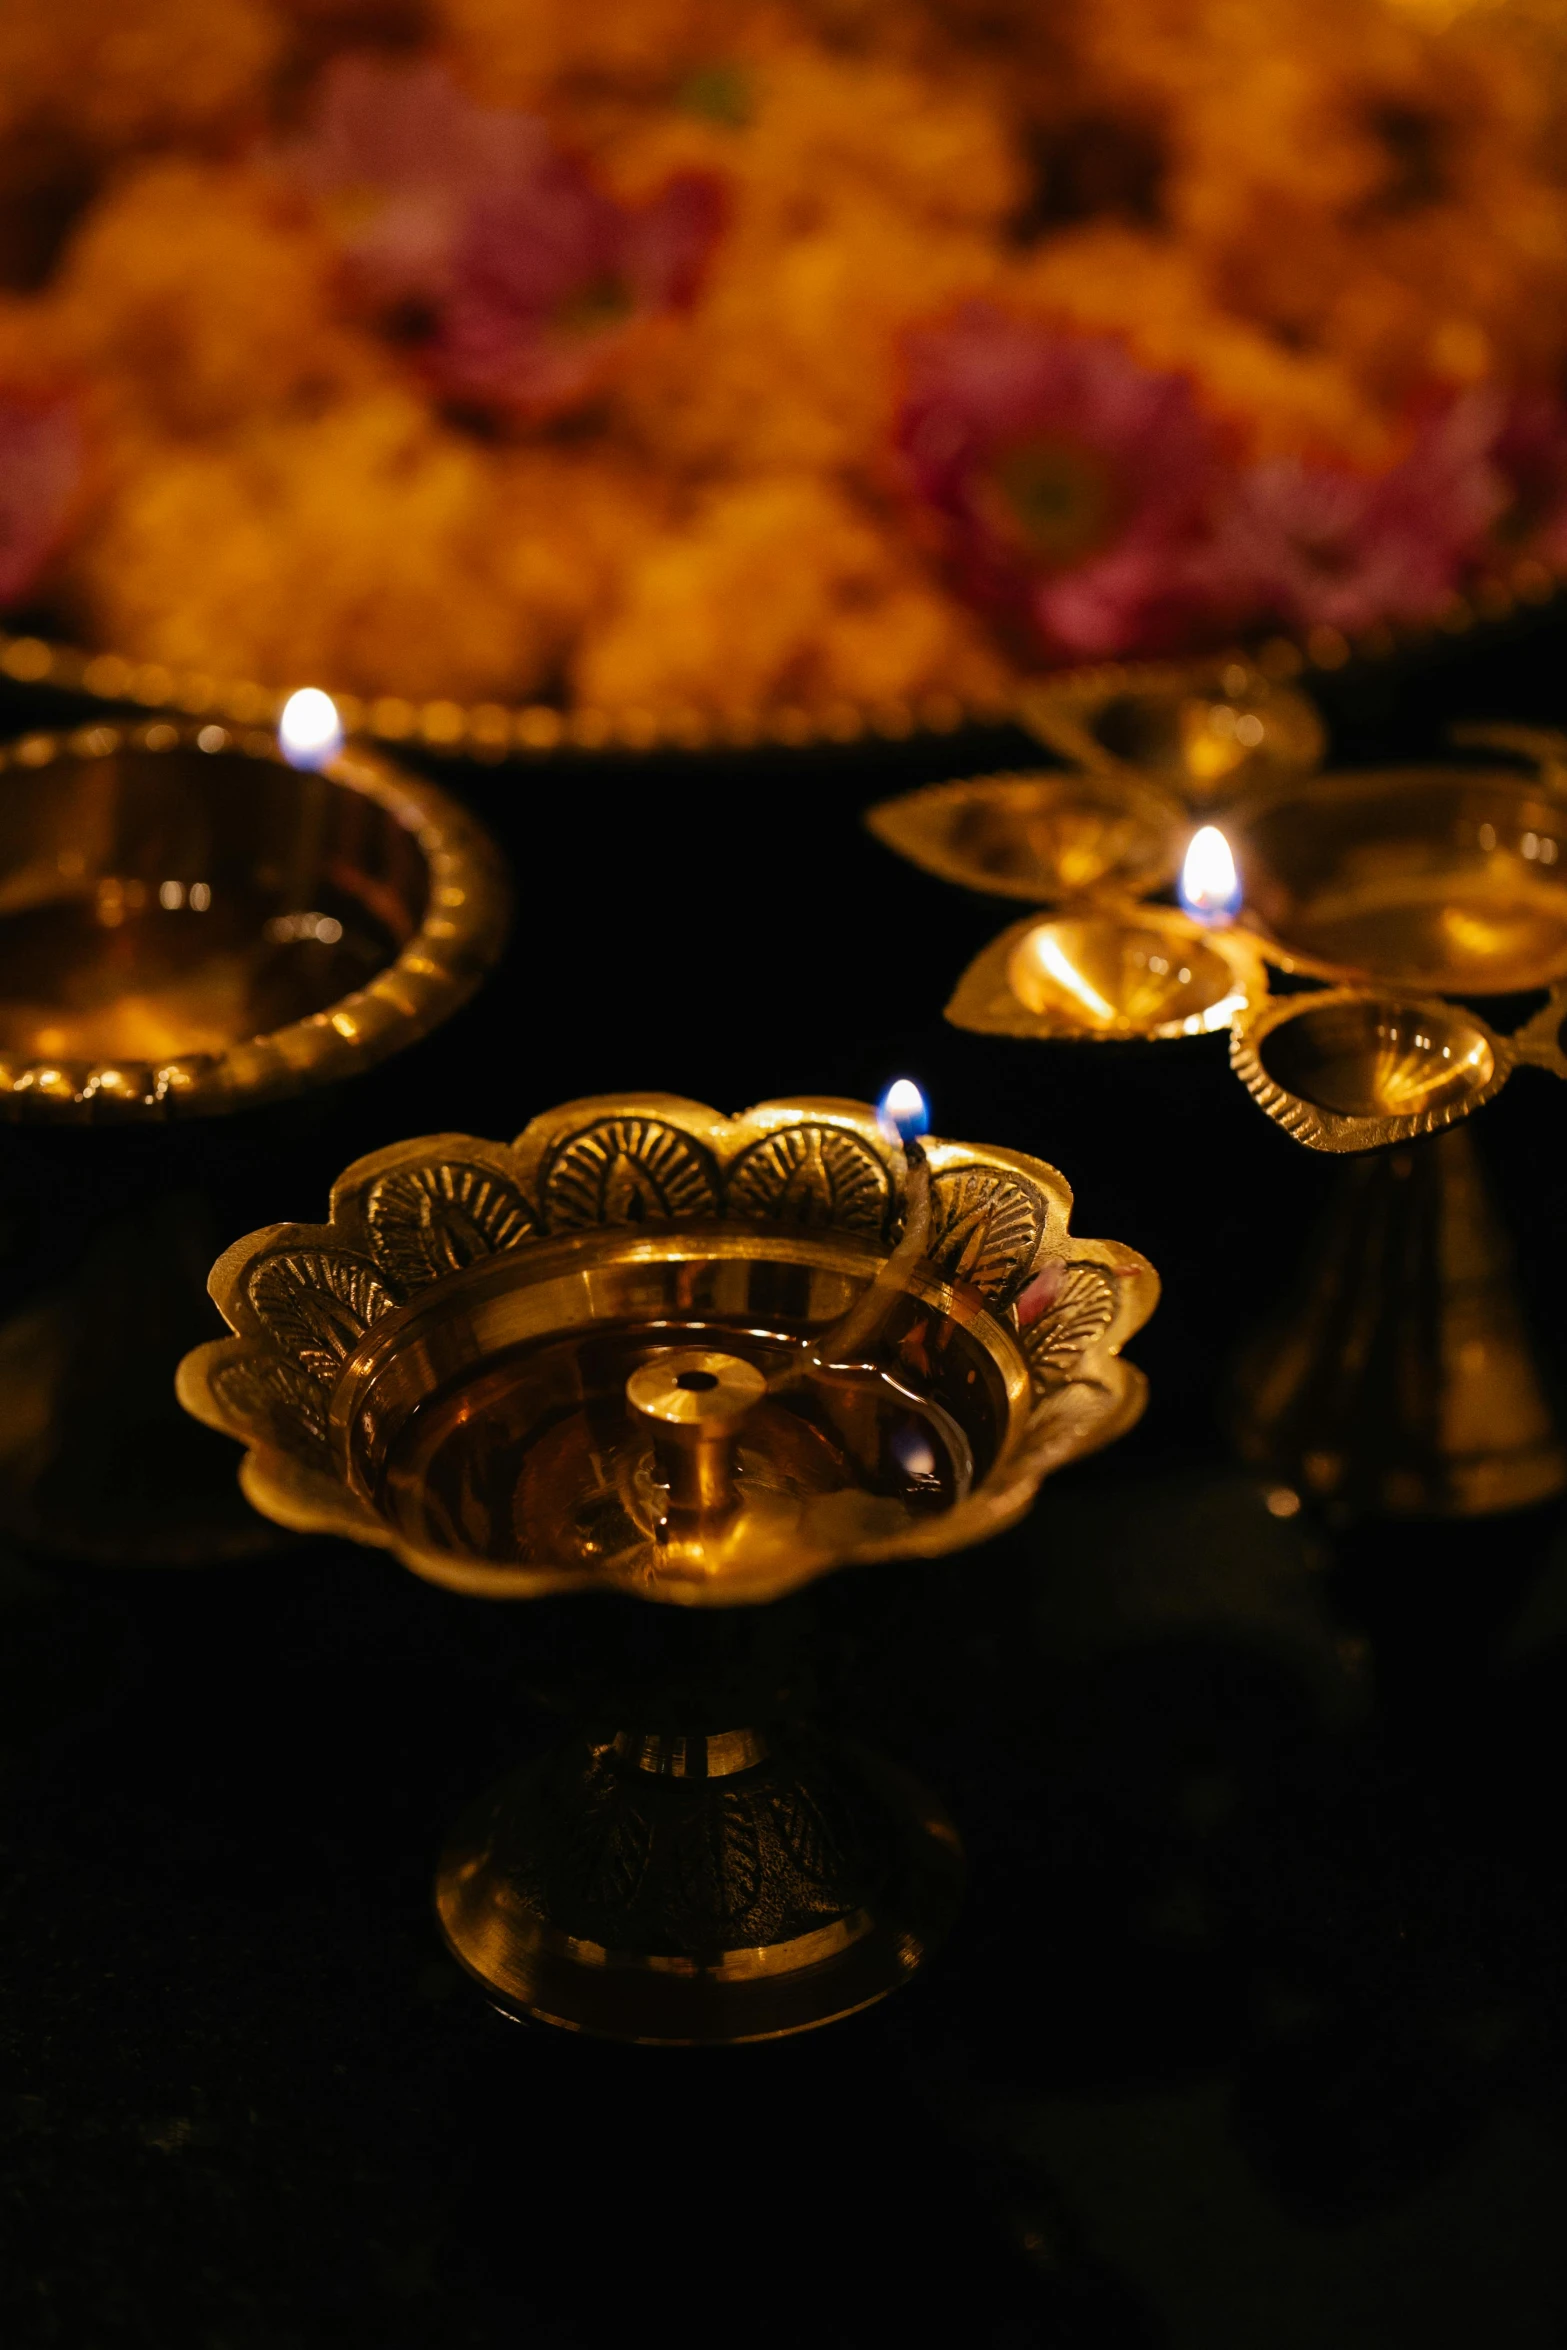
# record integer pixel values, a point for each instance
(297, 1296)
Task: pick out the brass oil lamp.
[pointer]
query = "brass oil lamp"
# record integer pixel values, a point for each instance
(1382, 905)
(700, 1360)
(196, 922)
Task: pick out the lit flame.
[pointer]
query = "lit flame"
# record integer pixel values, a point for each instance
(903, 1111)
(310, 732)
(1209, 886)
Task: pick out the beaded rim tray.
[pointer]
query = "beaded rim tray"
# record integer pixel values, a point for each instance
(494, 731)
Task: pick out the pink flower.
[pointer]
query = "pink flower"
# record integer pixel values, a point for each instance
(1069, 482)
(496, 258)
(40, 472)
(1530, 453)
(550, 276)
(1310, 545)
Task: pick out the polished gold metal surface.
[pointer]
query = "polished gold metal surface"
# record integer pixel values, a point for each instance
(443, 1367)
(1446, 880)
(653, 1349)
(699, 1888)
(189, 926)
(1044, 838)
(1401, 1380)
(1208, 730)
(1347, 1069)
(1109, 974)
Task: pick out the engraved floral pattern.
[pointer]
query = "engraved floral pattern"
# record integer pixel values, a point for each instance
(628, 1171)
(318, 1304)
(261, 1391)
(1063, 1311)
(430, 1220)
(985, 1229)
(814, 1176)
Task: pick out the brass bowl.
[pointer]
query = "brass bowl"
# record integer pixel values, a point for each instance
(1205, 729)
(1043, 837)
(1350, 1069)
(1111, 974)
(1441, 880)
(189, 926)
(441, 1368)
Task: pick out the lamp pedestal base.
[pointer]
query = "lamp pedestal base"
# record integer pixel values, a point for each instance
(1403, 1383)
(699, 1889)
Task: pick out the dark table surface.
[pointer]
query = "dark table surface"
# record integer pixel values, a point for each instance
(1254, 2029)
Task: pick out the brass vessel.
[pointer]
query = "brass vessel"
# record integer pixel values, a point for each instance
(188, 925)
(704, 1360)
(1403, 1380)
(189, 928)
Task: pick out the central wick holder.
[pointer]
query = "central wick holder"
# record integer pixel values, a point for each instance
(694, 1403)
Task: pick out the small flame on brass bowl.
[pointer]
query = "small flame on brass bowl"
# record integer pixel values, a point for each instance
(189, 925)
(1143, 972)
(1444, 880)
(452, 1367)
(1344, 1070)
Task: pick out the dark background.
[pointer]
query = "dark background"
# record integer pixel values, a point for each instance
(1253, 2030)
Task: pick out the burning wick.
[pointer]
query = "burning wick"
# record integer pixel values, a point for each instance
(310, 732)
(1209, 887)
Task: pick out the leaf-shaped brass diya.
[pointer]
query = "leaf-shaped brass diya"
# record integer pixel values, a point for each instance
(1098, 973)
(1040, 837)
(1448, 880)
(1205, 729)
(1407, 886)
(648, 1348)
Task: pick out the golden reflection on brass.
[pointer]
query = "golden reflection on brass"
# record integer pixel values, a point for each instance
(1348, 1070)
(1145, 971)
(589, 1360)
(189, 926)
(1207, 730)
(1043, 838)
(1447, 880)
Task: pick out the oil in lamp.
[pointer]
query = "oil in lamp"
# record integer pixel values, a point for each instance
(196, 922)
(651, 1350)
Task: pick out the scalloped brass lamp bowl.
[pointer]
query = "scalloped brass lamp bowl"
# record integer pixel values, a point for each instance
(602, 1358)
(188, 925)
(1442, 879)
(443, 1368)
